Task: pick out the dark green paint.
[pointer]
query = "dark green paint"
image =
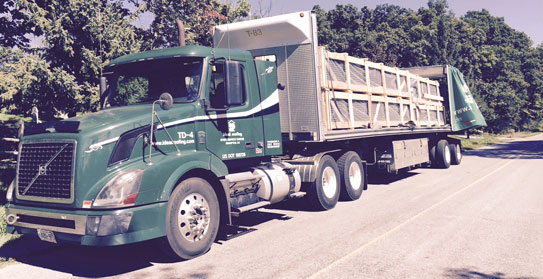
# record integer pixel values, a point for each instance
(200, 139)
(464, 109)
(267, 79)
(148, 222)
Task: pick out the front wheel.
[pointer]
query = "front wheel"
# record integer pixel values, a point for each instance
(192, 220)
(323, 193)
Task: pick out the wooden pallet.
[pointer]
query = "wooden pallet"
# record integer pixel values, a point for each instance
(393, 97)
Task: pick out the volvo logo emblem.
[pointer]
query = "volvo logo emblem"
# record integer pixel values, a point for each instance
(42, 169)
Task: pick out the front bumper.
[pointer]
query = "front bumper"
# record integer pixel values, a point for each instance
(88, 227)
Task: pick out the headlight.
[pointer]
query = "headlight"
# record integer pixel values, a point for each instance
(121, 191)
(9, 193)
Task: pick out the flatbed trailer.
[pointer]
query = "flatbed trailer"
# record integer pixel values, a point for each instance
(264, 116)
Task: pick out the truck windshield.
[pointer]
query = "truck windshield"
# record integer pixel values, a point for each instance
(144, 81)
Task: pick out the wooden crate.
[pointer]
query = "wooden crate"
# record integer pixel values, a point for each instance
(360, 94)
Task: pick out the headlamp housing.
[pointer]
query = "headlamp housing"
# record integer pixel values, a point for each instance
(121, 191)
(9, 193)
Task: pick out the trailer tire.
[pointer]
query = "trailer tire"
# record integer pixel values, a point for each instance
(351, 174)
(456, 153)
(432, 154)
(323, 193)
(192, 220)
(443, 154)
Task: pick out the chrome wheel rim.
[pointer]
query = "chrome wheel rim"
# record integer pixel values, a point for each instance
(458, 152)
(193, 217)
(355, 176)
(329, 182)
(447, 154)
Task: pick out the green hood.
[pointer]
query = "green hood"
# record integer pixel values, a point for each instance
(116, 117)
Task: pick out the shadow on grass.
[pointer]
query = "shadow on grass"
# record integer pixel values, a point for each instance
(525, 149)
(467, 273)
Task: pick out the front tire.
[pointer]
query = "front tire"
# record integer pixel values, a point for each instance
(351, 173)
(323, 193)
(192, 220)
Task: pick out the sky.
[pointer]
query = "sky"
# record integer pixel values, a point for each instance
(522, 15)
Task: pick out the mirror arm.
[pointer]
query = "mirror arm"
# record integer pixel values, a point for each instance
(151, 132)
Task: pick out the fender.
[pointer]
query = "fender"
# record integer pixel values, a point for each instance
(307, 165)
(199, 160)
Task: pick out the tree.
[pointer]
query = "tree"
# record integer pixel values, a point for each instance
(13, 25)
(504, 72)
(27, 80)
(80, 37)
(199, 18)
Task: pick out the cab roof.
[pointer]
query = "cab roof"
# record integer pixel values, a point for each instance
(184, 51)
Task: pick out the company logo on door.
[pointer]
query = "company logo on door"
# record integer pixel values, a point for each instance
(232, 137)
(231, 126)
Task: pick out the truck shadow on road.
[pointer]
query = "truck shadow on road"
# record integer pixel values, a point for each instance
(87, 261)
(84, 261)
(383, 178)
(522, 149)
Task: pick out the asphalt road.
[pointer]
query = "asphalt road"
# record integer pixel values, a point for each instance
(482, 219)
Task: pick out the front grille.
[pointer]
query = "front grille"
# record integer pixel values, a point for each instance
(45, 171)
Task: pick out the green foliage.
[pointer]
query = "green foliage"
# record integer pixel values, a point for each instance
(4, 237)
(504, 71)
(79, 37)
(199, 18)
(14, 25)
(131, 90)
(27, 80)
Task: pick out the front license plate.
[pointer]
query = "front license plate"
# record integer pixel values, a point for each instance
(46, 235)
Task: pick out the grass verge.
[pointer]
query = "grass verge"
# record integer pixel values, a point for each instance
(476, 141)
(5, 238)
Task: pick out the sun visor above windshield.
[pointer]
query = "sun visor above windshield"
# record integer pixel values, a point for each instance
(289, 29)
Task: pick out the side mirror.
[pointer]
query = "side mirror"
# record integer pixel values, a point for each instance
(234, 84)
(166, 101)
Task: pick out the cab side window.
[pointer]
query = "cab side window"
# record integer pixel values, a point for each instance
(217, 88)
(217, 94)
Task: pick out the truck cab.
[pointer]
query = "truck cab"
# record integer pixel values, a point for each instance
(105, 178)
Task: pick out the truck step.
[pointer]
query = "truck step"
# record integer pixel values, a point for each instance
(297, 195)
(237, 211)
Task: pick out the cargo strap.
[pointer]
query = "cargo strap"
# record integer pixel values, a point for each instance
(290, 174)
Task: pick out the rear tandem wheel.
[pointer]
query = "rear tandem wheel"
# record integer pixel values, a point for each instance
(323, 193)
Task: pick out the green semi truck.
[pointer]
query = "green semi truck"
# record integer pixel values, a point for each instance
(189, 137)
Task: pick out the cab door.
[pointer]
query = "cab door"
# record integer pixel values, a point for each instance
(233, 126)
